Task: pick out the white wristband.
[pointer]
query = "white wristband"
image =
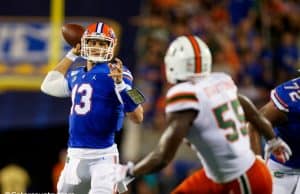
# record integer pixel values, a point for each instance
(70, 55)
(130, 166)
(121, 86)
(273, 141)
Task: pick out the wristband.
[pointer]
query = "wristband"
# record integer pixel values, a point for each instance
(272, 141)
(71, 56)
(129, 172)
(129, 104)
(136, 96)
(131, 97)
(121, 86)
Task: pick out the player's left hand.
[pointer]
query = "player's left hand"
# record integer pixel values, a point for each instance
(279, 149)
(116, 70)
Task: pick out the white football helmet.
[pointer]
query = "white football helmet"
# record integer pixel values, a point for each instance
(98, 31)
(187, 56)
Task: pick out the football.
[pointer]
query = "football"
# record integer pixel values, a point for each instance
(72, 33)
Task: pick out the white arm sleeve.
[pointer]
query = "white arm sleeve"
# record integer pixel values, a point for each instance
(55, 84)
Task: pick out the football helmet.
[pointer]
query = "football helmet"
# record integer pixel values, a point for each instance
(187, 56)
(99, 32)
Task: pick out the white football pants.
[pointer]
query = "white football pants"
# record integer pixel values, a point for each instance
(88, 175)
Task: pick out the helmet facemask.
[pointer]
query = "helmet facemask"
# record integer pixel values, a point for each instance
(98, 43)
(100, 52)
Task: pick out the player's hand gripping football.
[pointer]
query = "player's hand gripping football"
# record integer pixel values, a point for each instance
(74, 53)
(116, 70)
(279, 149)
(76, 50)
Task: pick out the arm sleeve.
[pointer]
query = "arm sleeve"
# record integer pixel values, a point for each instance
(286, 96)
(282, 97)
(278, 101)
(55, 84)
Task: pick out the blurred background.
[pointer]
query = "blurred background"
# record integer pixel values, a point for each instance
(257, 42)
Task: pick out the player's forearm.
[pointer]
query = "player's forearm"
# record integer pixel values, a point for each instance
(257, 120)
(255, 140)
(137, 116)
(65, 63)
(63, 66)
(165, 150)
(153, 162)
(264, 127)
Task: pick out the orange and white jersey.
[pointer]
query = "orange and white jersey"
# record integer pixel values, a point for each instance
(219, 131)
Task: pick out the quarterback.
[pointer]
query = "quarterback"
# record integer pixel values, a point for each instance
(102, 94)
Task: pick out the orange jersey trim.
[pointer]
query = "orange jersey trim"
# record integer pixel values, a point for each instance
(184, 96)
(180, 101)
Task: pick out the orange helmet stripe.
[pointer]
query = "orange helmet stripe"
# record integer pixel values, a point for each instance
(197, 50)
(92, 28)
(105, 29)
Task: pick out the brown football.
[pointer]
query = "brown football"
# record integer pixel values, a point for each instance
(72, 33)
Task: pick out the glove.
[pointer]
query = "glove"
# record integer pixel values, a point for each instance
(124, 176)
(278, 148)
(122, 185)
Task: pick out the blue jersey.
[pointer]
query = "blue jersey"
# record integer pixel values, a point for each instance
(96, 112)
(286, 97)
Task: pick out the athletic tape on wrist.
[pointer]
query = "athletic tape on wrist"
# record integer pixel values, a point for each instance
(70, 55)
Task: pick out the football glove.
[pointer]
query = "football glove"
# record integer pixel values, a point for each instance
(124, 176)
(278, 148)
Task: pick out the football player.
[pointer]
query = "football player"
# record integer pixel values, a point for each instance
(102, 93)
(205, 108)
(283, 111)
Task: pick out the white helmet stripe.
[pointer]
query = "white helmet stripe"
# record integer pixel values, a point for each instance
(99, 27)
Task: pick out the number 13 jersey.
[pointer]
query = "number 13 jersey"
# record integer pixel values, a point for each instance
(96, 112)
(219, 131)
